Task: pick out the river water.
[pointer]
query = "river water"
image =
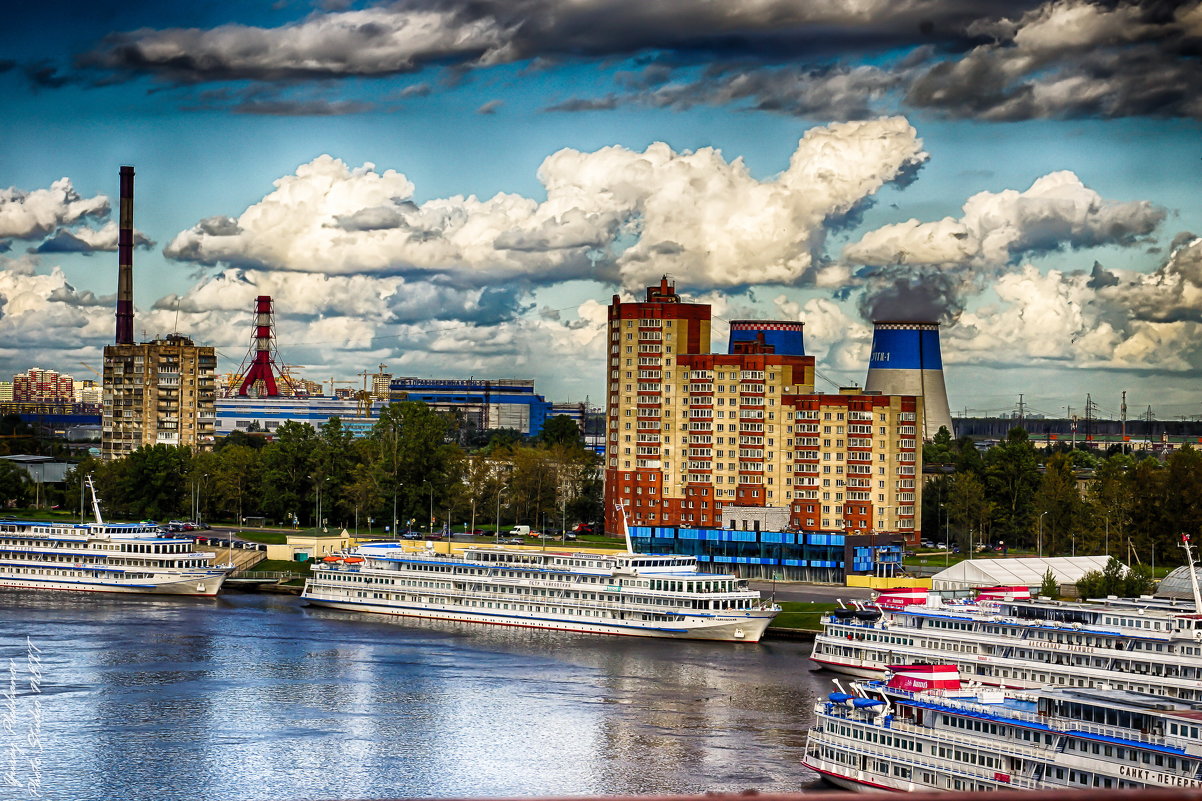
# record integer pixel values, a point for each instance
(253, 696)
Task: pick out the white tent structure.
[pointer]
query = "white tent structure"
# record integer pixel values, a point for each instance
(1020, 572)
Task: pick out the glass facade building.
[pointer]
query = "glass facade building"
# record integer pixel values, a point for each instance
(784, 555)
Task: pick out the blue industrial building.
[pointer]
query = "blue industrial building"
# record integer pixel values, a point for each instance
(481, 404)
(477, 403)
(268, 414)
(786, 555)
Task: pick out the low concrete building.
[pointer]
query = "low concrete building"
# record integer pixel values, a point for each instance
(304, 547)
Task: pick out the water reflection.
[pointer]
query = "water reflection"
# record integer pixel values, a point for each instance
(256, 697)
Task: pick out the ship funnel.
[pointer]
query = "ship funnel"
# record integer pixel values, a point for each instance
(125, 260)
(906, 361)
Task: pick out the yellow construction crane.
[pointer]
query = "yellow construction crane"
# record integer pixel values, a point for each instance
(93, 369)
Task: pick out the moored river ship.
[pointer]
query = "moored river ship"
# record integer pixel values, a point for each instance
(643, 595)
(1005, 638)
(925, 730)
(104, 557)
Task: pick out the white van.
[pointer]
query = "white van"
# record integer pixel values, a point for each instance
(520, 531)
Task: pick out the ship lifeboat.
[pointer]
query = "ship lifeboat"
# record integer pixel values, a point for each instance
(353, 560)
(329, 559)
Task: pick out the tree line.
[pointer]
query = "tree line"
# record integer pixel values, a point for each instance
(408, 470)
(1063, 501)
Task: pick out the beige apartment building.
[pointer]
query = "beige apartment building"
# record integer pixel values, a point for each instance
(159, 392)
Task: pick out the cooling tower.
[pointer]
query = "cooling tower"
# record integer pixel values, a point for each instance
(125, 261)
(906, 361)
(782, 337)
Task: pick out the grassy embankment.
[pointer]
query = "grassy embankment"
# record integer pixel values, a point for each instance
(801, 615)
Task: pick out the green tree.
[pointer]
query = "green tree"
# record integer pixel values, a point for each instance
(415, 457)
(968, 508)
(940, 449)
(237, 481)
(1059, 503)
(1109, 499)
(288, 482)
(1012, 477)
(1116, 579)
(14, 485)
(152, 482)
(560, 430)
(332, 468)
(1050, 588)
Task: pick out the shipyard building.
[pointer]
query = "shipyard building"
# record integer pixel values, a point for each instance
(694, 437)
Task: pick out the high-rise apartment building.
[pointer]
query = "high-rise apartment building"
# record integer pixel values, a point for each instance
(43, 386)
(691, 433)
(159, 392)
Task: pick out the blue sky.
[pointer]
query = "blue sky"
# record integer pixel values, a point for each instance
(462, 186)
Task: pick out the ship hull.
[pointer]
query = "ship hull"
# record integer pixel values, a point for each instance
(207, 585)
(748, 629)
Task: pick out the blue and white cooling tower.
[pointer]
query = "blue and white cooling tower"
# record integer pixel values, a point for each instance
(906, 361)
(782, 337)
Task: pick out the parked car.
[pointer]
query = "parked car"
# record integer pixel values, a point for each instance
(520, 531)
(512, 541)
(474, 532)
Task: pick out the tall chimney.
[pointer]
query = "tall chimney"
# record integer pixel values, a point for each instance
(125, 261)
(906, 361)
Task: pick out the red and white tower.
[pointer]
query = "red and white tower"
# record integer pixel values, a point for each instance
(259, 368)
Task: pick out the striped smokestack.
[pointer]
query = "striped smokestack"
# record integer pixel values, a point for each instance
(125, 261)
(906, 361)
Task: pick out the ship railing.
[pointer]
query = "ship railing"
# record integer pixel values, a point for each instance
(1061, 727)
(1150, 657)
(943, 765)
(1019, 749)
(626, 605)
(277, 575)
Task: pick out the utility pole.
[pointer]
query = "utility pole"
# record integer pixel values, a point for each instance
(1123, 415)
(1088, 417)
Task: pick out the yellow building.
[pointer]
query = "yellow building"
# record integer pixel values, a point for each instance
(690, 433)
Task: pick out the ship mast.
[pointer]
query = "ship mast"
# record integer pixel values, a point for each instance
(625, 527)
(95, 500)
(1193, 573)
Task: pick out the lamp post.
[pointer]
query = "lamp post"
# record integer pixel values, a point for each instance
(430, 526)
(1041, 534)
(497, 531)
(396, 485)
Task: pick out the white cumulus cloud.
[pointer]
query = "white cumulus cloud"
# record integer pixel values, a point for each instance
(611, 214)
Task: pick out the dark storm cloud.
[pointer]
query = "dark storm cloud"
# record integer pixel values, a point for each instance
(408, 36)
(986, 59)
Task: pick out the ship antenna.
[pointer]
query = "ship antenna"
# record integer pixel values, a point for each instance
(1193, 574)
(95, 500)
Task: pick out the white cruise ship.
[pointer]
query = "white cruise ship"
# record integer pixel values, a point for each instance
(103, 557)
(1005, 638)
(924, 729)
(624, 594)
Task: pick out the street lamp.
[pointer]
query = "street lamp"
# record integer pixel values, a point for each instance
(396, 485)
(1041, 534)
(430, 526)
